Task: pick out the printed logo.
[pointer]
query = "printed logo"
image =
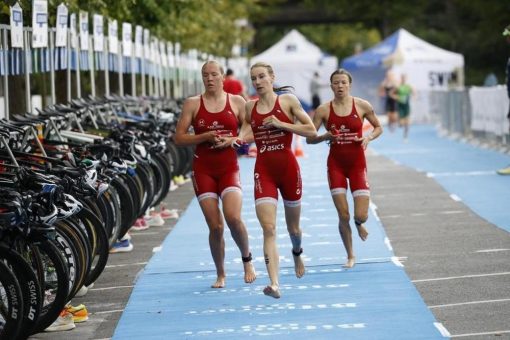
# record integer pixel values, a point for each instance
(263, 148)
(215, 123)
(257, 175)
(298, 191)
(201, 122)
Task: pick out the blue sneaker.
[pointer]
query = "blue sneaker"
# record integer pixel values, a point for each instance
(121, 246)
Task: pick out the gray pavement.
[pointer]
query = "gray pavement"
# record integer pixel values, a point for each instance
(459, 263)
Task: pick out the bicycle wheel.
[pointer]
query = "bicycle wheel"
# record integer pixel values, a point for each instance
(11, 303)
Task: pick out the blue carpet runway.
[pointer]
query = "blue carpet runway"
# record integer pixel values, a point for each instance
(374, 300)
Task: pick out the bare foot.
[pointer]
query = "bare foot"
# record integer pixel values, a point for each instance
(272, 291)
(350, 262)
(249, 272)
(220, 282)
(299, 266)
(362, 232)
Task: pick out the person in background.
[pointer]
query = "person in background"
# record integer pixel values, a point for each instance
(386, 89)
(214, 115)
(272, 120)
(343, 119)
(403, 94)
(506, 34)
(233, 85)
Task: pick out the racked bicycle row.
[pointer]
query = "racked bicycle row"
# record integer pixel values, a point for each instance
(74, 179)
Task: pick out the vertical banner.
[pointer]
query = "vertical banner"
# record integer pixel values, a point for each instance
(127, 43)
(113, 40)
(39, 23)
(84, 30)
(98, 33)
(16, 26)
(72, 27)
(147, 51)
(170, 51)
(61, 34)
(138, 41)
(162, 51)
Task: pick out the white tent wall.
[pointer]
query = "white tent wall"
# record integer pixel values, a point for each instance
(294, 60)
(427, 67)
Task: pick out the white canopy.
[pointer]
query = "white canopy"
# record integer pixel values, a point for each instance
(294, 60)
(426, 66)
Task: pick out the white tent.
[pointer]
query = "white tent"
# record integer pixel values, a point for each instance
(294, 60)
(426, 66)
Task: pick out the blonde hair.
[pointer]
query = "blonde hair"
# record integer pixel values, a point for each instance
(222, 71)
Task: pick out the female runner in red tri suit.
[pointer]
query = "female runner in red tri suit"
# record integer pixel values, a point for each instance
(343, 119)
(214, 116)
(273, 120)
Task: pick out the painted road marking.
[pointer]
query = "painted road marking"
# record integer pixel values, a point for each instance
(455, 198)
(491, 250)
(127, 264)
(461, 277)
(442, 329)
(282, 287)
(469, 303)
(275, 327)
(110, 288)
(478, 334)
(460, 173)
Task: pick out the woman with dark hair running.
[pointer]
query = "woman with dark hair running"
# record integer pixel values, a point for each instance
(343, 119)
(273, 119)
(214, 114)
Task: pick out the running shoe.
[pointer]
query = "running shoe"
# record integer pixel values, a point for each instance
(79, 313)
(124, 246)
(154, 220)
(64, 322)
(140, 224)
(168, 213)
(82, 291)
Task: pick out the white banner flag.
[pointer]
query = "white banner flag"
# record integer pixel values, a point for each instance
(98, 33)
(127, 43)
(162, 51)
(84, 30)
(74, 34)
(170, 51)
(138, 41)
(39, 23)
(147, 44)
(113, 40)
(61, 34)
(16, 26)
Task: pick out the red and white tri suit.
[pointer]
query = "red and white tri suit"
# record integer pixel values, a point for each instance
(215, 171)
(276, 167)
(346, 158)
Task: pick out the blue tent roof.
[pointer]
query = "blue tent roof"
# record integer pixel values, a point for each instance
(373, 57)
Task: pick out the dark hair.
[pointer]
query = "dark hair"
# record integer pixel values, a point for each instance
(269, 69)
(229, 72)
(341, 71)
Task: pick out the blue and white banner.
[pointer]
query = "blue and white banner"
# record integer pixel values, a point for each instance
(61, 29)
(16, 26)
(84, 30)
(39, 23)
(98, 33)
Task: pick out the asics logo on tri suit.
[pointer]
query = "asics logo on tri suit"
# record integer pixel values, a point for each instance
(276, 147)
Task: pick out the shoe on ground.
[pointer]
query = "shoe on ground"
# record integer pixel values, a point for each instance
(179, 180)
(82, 291)
(140, 224)
(504, 171)
(173, 186)
(64, 322)
(154, 220)
(168, 213)
(79, 313)
(124, 246)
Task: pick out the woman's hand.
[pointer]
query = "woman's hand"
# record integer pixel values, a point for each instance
(363, 140)
(272, 121)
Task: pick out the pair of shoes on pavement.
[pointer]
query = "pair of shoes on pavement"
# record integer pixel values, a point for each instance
(154, 219)
(79, 313)
(168, 213)
(140, 224)
(121, 246)
(504, 171)
(64, 322)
